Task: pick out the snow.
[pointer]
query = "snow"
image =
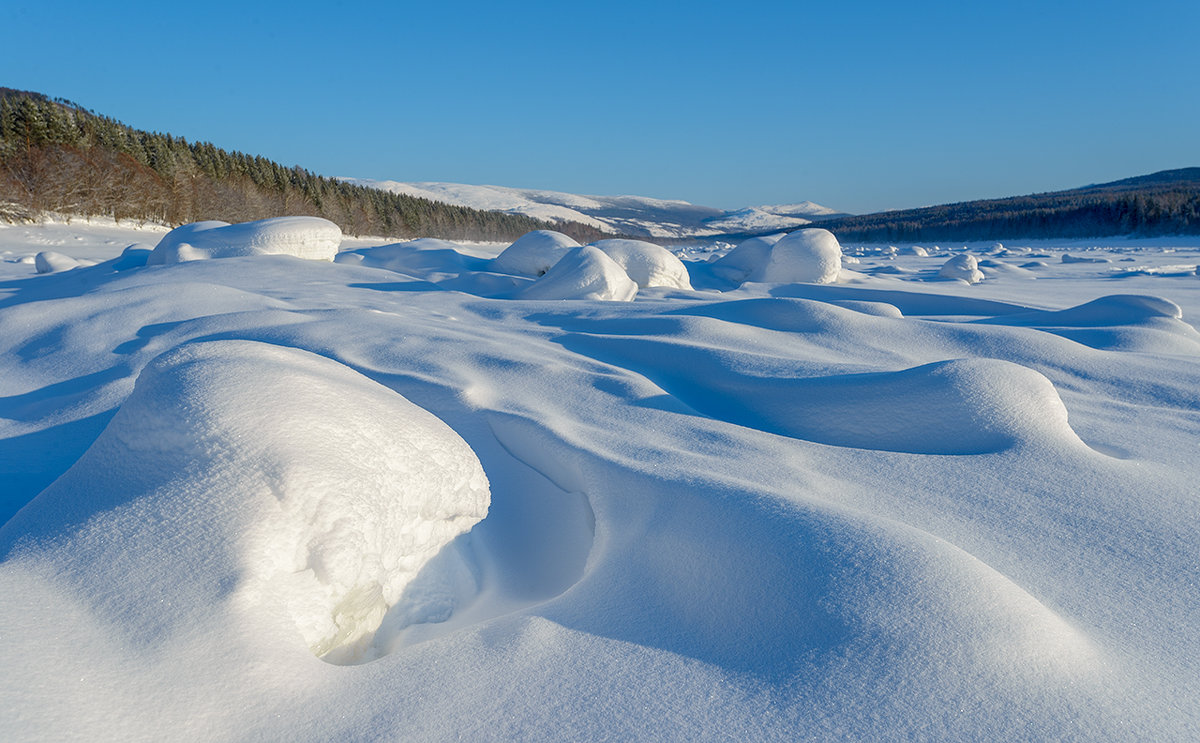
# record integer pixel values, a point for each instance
(584, 273)
(640, 216)
(646, 263)
(746, 258)
(963, 267)
(809, 255)
(304, 237)
(49, 261)
(534, 253)
(270, 498)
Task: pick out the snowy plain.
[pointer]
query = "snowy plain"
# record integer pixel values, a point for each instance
(404, 495)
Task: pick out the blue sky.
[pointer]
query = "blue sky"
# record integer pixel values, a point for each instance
(861, 106)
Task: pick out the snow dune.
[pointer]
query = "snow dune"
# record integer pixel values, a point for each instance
(262, 497)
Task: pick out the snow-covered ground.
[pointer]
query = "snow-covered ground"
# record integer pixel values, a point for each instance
(394, 496)
(627, 215)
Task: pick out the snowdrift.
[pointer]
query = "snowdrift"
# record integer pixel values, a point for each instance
(646, 263)
(268, 479)
(534, 253)
(810, 255)
(583, 273)
(304, 237)
(276, 499)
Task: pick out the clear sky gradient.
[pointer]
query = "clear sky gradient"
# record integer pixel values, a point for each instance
(861, 106)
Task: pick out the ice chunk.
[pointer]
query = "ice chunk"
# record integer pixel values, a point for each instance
(304, 237)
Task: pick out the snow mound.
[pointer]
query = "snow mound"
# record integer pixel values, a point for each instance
(426, 257)
(646, 263)
(1068, 258)
(916, 250)
(748, 257)
(1115, 309)
(49, 261)
(583, 273)
(964, 267)
(534, 253)
(283, 482)
(304, 237)
(811, 256)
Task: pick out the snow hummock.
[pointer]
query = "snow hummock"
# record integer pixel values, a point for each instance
(583, 273)
(49, 261)
(746, 258)
(313, 238)
(249, 496)
(964, 267)
(646, 263)
(534, 253)
(284, 483)
(810, 255)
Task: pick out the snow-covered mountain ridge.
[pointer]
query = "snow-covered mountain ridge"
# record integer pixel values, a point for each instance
(629, 215)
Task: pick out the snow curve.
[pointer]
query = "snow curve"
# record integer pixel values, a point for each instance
(268, 479)
(312, 238)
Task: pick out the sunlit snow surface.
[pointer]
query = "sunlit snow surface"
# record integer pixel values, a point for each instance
(896, 506)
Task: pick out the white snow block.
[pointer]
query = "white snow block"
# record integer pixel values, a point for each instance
(963, 267)
(284, 485)
(49, 261)
(534, 253)
(747, 258)
(811, 256)
(646, 263)
(312, 238)
(583, 273)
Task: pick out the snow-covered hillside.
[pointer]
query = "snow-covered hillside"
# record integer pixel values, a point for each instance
(423, 491)
(628, 215)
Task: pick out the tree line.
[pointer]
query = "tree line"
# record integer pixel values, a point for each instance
(55, 156)
(1166, 203)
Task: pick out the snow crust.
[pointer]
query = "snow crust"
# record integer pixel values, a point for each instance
(312, 238)
(270, 499)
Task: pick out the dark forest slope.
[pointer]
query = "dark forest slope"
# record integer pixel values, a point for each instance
(57, 157)
(1164, 203)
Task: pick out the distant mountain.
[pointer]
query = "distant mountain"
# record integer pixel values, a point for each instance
(1163, 203)
(629, 215)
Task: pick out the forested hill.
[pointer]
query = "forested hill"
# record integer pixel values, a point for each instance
(56, 156)
(1164, 203)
